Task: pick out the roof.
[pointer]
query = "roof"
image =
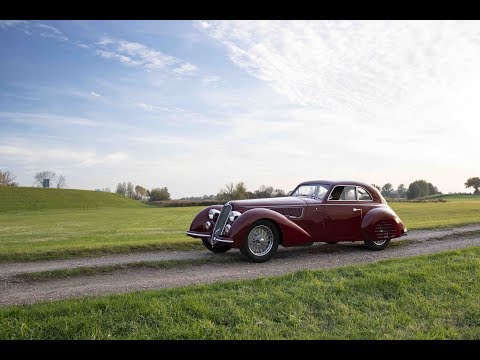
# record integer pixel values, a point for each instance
(336, 182)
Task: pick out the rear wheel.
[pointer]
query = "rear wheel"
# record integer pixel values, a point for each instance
(261, 241)
(218, 248)
(377, 244)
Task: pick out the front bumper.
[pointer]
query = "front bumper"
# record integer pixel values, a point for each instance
(200, 235)
(405, 232)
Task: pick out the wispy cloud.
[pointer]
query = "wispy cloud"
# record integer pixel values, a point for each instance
(134, 53)
(95, 94)
(210, 80)
(50, 32)
(54, 120)
(339, 64)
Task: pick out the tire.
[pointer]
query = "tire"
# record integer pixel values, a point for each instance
(377, 245)
(257, 250)
(219, 248)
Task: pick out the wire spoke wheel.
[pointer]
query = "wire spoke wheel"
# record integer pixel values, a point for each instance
(379, 242)
(260, 240)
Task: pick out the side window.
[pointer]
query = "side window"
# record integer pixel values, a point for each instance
(343, 193)
(363, 194)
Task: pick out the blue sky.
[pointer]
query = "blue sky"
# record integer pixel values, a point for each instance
(192, 105)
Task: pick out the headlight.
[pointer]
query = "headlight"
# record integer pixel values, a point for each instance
(213, 214)
(233, 215)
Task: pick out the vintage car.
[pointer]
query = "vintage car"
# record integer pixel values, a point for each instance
(316, 211)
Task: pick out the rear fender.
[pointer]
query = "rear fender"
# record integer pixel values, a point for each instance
(290, 233)
(386, 219)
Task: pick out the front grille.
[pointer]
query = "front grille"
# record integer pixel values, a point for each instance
(221, 221)
(294, 211)
(385, 230)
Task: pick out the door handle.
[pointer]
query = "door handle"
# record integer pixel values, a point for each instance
(355, 209)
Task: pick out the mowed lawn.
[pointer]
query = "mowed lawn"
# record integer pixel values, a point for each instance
(79, 223)
(427, 297)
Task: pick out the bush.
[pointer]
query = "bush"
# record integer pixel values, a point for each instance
(159, 194)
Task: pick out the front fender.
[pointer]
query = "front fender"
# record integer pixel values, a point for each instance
(385, 218)
(290, 233)
(198, 222)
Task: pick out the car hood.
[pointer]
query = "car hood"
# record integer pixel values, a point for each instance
(268, 202)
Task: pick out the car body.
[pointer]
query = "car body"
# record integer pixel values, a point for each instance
(316, 211)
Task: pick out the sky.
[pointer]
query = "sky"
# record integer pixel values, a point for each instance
(193, 105)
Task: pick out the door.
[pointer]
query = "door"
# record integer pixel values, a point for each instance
(343, 214)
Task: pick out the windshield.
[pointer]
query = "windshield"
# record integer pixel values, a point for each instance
(313, 191)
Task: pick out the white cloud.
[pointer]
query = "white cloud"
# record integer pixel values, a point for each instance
(95, 94)
(339, 64)
(55, 120)
(133, 53)
(11, 23)
(185, 69)
(210, 80)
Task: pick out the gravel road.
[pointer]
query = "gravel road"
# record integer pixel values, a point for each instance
(13, 291)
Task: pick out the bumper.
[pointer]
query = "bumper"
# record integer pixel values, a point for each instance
(200, 235)
(405, 232)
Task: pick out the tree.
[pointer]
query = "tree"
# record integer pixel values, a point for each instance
(42, 175)
(121, 189)
(233, 192)
(473, 182)
(7, 179)
(377, 187)
(421, 188)
(387, 190)
(263, 192)
(106, 189)
(401, 191)
(130, 190)
(61, 182)
(140, 192)
(159, 194)
(278, 193)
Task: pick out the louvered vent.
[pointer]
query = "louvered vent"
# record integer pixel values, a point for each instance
(385, 230)
(295, 212)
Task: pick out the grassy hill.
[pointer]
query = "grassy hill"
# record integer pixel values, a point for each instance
(30, 198)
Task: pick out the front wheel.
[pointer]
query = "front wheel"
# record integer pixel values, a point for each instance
(261, 241)
(219, 248)
(377, 244)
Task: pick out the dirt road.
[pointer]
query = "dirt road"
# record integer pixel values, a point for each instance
(15, 291)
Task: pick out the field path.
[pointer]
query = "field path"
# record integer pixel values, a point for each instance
(15, 291)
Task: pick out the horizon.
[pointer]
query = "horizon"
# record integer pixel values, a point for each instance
(194, 105)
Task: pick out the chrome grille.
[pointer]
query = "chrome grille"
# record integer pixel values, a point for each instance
(385, 230)
(221, 222)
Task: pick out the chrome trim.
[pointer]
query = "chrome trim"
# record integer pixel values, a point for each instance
(219, 227)
(281, 207)
(197, 234)
(224, 240)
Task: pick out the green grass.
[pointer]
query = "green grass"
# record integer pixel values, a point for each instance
(426, 297)
(63, 228)
(29, 198)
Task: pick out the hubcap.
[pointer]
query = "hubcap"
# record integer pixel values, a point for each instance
(379, 242)
(260, 240)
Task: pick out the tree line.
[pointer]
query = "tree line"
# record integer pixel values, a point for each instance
(140, 193)
(418, 188)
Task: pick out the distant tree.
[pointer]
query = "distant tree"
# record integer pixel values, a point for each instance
(473, 182)
(159, 194)
(130, 190)
(387, 190)
(7, 179)
(377, 187)
(106, 189)
(121, 189)
(140, 192)
(42, 175)
(61, 182)
(432, 190)
(401, 191)
(233, 192)
(263, 192)
(278, 193)
(420, 188)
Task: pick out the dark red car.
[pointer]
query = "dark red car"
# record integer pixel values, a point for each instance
(328, 211)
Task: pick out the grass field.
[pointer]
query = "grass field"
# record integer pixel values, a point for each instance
(62, 227)
(427, 297)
